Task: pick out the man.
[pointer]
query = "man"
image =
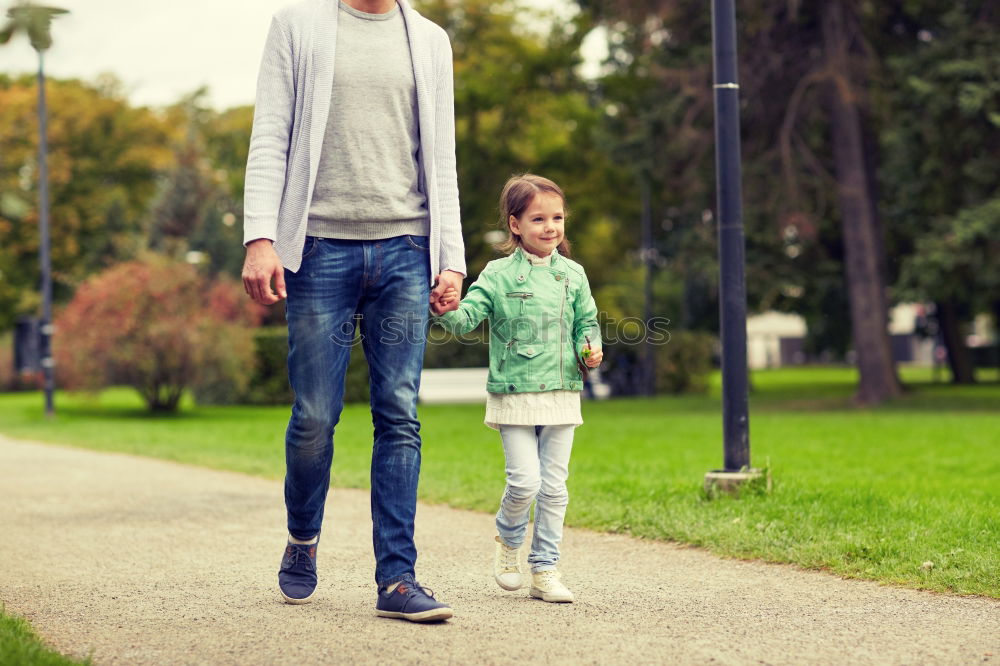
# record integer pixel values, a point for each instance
(351, 207)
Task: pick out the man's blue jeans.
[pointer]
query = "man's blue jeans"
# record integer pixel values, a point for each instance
(383, 287)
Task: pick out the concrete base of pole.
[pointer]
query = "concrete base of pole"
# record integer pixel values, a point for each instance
(733, 483)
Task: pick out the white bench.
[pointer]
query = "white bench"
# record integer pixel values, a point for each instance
(445, 385)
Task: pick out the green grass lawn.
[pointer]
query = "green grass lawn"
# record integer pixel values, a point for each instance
(20, 645)
(865, 493)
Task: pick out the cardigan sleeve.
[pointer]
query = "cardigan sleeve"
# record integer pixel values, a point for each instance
(452, 254)
(267, 160)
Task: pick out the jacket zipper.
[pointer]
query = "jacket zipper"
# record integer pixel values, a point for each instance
(510, 343)
(522, 296)
(562, 325)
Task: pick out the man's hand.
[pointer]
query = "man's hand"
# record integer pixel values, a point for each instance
(447, 298)
(444, 281)
(262, 264)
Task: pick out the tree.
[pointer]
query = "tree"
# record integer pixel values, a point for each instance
(191, 188)
(657, 125)
(821, 142)
(158, 326)
(105, 157)
(941, 148)
(225, 138)
(520, 105)
(864, 244)
(955, 266)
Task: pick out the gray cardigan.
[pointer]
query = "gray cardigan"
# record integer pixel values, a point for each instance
(293, 103)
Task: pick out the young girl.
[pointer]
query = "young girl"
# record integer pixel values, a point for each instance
(543, 326)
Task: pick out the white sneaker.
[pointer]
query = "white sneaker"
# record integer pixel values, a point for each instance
(545, 585)
(507, 567)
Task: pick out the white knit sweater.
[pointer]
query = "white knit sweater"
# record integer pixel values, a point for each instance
(533, 408)
(293, 103)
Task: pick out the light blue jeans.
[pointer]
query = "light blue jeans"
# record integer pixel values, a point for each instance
(537, 468)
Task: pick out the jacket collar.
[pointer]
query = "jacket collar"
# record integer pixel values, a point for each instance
(521, 257)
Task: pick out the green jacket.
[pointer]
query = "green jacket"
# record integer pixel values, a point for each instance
(540, 318)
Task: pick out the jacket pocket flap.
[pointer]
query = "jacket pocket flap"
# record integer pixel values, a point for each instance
(529, 351)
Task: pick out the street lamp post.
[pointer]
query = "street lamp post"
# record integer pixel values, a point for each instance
(36, 21)
(732, 287)
(48, 365)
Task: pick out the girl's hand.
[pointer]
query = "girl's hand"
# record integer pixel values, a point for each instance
(592, 356)
(443, 282)
(450, 295)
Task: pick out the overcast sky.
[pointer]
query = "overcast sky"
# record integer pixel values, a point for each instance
(161, 50)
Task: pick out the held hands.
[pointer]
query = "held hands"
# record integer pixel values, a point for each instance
(444, 296)
(449, 296)
(261, 264)
(591, 355)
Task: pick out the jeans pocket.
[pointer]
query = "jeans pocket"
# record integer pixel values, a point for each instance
(312, 242)
(419, 242)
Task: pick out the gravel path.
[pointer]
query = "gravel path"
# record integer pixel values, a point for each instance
(139, 561)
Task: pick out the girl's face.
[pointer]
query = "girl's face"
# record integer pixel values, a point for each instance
(541, 225)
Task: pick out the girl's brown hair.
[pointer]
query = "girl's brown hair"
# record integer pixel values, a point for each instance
(515, 198)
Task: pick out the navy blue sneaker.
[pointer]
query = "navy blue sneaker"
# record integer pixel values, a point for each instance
(297, 576)
(410, 601)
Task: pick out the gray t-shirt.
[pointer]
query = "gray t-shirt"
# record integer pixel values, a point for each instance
(368, 184)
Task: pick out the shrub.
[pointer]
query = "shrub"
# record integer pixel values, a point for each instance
(621, 369)
(8, 378)
(445, 350)
(158, 326)
(356, 388)
(683, 364)
(269, 384)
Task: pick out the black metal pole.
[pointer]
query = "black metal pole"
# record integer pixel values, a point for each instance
(648, 362)
(732, 288)
(48, 364)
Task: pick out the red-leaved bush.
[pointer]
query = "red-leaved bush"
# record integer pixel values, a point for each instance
(159, 326)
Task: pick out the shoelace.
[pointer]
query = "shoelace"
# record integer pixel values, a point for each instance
(292, 559)
(547, 578)
(508, 559)
(415, 587)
